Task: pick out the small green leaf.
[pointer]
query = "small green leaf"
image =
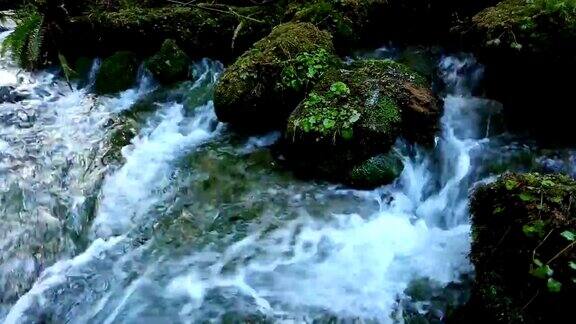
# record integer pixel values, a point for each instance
(572, 265)
(554, 286)
(569, 235)
(328, 123)
(542, 272)
(556, 199)
(548, 183)
(534, 229)
(511, 184)
(354, 117)
(526, 197)
(498, 210)
(340, 88)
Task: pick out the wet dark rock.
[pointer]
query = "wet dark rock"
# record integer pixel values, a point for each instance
(118, 72)
(376, 171)
(82, 68)
(11, 95)
(529, 50)
(170, 64)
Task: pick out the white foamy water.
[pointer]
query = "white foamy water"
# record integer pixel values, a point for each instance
(51, 137)
(352, 265)
(310, 252)
(128, 194)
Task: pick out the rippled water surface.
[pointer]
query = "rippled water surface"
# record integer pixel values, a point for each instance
(194, 223)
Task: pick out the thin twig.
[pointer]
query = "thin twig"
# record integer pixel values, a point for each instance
(530, 301)
(540, 244)
(561, 252)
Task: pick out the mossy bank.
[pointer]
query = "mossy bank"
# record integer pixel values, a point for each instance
(523, 238)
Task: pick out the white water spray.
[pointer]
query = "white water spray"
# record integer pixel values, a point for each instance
(352, 265)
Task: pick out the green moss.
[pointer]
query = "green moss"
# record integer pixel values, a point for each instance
(267, 82)
(355, 113)
(347, 20)
(325, 14)
(118, 72)
(170, 64)
(371, 105)
(379, 170)
(527, 25)
(524, 227)
(306, 68)
(122, 131)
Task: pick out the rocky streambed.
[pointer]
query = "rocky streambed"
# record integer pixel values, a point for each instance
(303, 172)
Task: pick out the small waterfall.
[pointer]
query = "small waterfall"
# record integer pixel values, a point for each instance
(198, 225)
(356, 265)
(128, 194)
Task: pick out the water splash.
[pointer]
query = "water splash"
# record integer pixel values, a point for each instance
(195, 226)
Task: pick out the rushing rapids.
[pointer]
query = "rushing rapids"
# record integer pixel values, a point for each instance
(197, 224)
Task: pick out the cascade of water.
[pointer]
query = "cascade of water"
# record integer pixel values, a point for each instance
(51, 136)
(312, 251)
(128, 194)
(353, 265)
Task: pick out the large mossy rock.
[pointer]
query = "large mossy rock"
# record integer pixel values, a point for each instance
(524, 228)
(355, 113)
(117, 72)
(170, 64)
(529, 49)
(263, 86)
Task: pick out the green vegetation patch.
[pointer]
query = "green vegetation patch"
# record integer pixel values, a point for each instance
(524, 233)
(268, 81)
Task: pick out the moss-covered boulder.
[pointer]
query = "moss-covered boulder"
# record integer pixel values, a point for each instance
(524, 234)
(117, 72)
(376, 171)
(357, 112)
(263, 86)
(529, 49)
(170, 64)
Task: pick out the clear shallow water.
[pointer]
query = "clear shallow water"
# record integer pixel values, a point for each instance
(196, 224)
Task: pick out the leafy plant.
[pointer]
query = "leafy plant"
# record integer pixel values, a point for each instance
(534, 229)
(25, 43)
(340, 89)
(305, 68)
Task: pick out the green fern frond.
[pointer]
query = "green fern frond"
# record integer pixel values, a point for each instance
(35, 43)
(25, 43)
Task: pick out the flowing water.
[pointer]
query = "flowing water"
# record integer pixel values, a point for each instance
(195, 224)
